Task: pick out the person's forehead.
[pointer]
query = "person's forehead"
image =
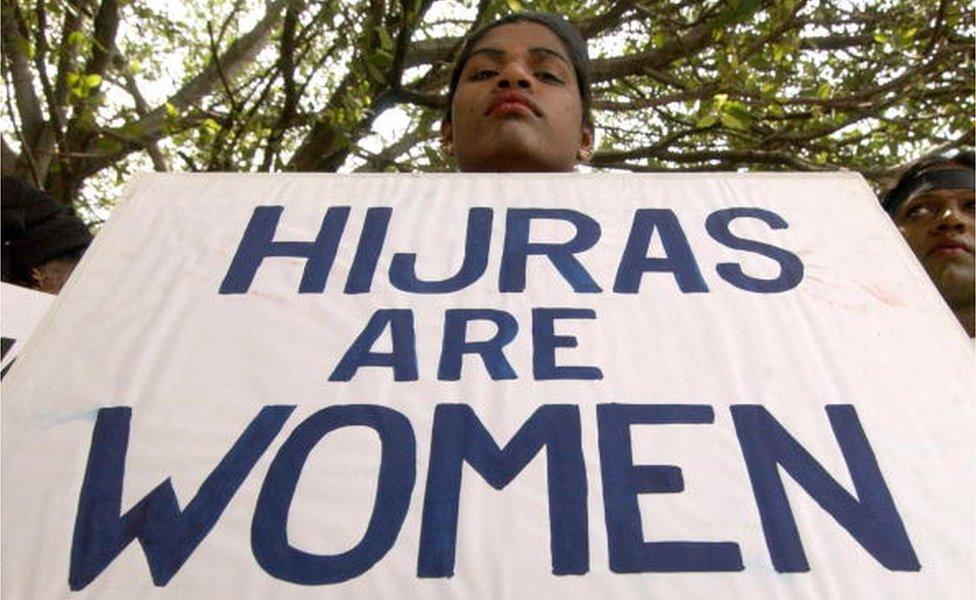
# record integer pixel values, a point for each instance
(527, 35)
(941, 197)
(937, 169)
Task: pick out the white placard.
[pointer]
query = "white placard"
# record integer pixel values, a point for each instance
(681, 385)
(22, 309)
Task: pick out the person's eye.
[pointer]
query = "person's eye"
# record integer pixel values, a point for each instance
(918, 212)
(549, 77)
(482, 75)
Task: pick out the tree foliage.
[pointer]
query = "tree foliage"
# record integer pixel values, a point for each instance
(97, 89)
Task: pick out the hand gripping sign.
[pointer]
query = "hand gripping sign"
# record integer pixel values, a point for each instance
(496, 387)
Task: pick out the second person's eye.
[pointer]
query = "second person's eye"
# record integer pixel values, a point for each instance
(917, 212)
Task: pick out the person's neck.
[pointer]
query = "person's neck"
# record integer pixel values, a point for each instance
(966, 314)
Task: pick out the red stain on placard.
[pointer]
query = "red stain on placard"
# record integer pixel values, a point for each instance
(886, 296)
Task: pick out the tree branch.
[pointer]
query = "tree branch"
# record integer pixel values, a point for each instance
(15, 48)
(237, 56)
(286, 66)
(605, 69)
(8, 158)
(103, 39)
(141, 106)
(215, 56)
(734, 156)
(26, 150)
(609, 19)
(317, 152)
(887, 176)
(67, 57)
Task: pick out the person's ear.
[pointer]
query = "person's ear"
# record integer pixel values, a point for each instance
(585, 150)
(447, 138)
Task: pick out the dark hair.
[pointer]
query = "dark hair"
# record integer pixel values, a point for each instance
(36, 229)
(560, 27)
(906, 183)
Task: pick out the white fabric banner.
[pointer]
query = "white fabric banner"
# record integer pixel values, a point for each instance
(482, 386)
(20, 311)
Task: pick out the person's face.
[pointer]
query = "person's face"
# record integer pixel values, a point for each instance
(938, 225)
(517, 105)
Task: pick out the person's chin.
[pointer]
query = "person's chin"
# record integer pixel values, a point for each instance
(955, 279)
(513, 154)
(514, 136)
(958, 262)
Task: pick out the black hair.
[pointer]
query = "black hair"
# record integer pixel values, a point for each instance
(906, 183)
(36, 229)
(560, 27)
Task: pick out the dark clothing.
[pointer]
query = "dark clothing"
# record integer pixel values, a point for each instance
(36, 229)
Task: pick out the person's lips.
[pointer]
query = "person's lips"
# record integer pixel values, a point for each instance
(950, 247)
(511, 104)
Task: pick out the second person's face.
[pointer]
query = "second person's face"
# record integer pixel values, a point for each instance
(517, 105)
(939, 227)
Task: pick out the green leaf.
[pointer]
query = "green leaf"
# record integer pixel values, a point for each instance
(741, 10)
(880, 38)
(739, 111)
(75, 38)
(375, 73)
(381, 59)
(107, 145)
(658, 39)
(904, 37)
(172, 111)
(733, 122)
(514, 5)
(386, 42)
(93, 80)
(340, 141)
(824, 90)
(707, 121)
(132, 129)
(25, 47)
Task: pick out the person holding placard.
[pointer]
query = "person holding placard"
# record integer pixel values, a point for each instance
(932, 204)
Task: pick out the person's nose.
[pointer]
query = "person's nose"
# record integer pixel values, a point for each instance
(951, 218)
(514, 74)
